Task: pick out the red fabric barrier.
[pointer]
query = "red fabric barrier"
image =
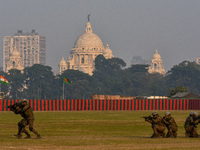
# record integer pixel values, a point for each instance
(104, 105)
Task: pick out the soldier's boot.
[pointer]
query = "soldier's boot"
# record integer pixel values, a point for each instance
(163, 134)
(19, 136)
(167, 135)
(156, 136)
(28, 136)
(170, 134)
(153, 135)
(175, 135)
(195, 134)
(187, 134)
(38, 136)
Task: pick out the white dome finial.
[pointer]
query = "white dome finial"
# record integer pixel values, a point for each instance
(107, 46)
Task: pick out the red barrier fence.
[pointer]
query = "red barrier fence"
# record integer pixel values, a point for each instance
(101, 105)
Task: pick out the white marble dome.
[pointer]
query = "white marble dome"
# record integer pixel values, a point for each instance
(108, 52)
(88, 39)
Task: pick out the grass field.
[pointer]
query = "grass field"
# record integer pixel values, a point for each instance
(93, 130)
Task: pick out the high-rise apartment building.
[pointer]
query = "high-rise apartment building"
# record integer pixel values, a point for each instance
(23, 50)
(197, 60)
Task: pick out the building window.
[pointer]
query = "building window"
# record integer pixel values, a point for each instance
(155, 66)
(13, 64)
(82, 60)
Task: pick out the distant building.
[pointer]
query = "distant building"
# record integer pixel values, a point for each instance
(23, 50)
(86, 48)
(185, 95)
(197, 60)
(112, 97)
(138, 60)
(156, 64)
(1, 68)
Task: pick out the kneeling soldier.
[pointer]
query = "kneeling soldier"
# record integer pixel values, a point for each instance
(191, 125)
(157, 125)
(171, 125)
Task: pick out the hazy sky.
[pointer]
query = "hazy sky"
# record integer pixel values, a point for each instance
(130, 27)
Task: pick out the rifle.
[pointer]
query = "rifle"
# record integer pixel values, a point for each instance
(197, 119)
(14, 107)
(147, 118)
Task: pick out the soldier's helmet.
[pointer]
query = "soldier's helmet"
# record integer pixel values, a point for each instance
(195, 113)
(191, 113)
(154, 113)
(167, 113)
(24, 100)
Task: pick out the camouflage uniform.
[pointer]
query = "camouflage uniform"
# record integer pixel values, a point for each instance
(191, 126)
(21, 126)
(171, 126)
(157, 125)
(28, 119)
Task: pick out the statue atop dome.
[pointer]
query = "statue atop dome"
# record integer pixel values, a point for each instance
(88, 18)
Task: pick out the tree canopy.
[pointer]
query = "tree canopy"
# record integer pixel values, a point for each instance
(110, 77)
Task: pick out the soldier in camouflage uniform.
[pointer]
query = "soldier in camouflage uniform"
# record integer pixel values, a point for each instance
(171, 125)
(157, 125)
(21, 129)
(28, 118)
(191, 125)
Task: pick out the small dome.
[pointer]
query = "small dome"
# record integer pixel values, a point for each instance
(88, 39)
(63, 62)
(15, 53)
(108, 52)
(156, 55)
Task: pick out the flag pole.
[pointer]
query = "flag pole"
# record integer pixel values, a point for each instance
(0, 86)
(63, 91)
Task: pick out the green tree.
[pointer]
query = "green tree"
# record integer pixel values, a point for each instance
(82, 85)
(107, 73)
(17, 84)
(177, 89)
(40, 82)
(186, 74)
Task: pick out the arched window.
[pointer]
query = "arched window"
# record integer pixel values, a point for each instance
(13, 63)
(82, 60)
(155, 66)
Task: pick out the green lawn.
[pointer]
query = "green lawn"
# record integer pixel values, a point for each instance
(93, 130)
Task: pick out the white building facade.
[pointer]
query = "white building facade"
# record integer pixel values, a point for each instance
(156, 64)
(86, 48)
(29, 48)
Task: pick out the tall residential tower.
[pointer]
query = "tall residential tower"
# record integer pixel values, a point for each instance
(23, 50)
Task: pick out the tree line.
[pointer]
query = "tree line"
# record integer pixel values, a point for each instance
(110, 77)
